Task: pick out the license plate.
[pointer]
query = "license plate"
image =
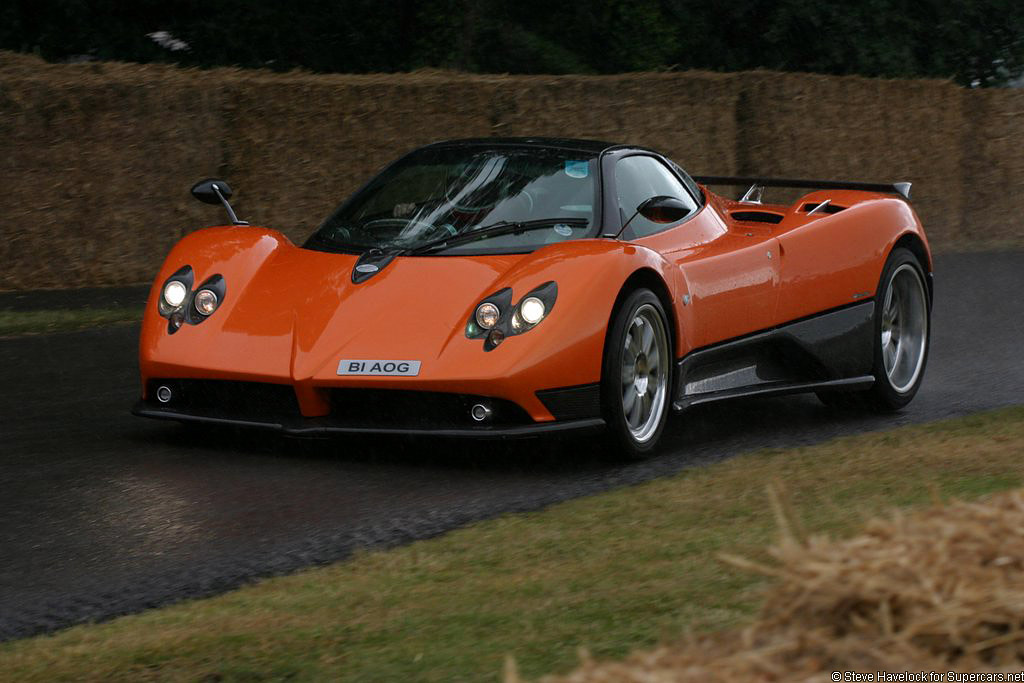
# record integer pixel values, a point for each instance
(401, 368)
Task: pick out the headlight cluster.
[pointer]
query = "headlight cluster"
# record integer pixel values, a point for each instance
(496, 317)
(180, 305)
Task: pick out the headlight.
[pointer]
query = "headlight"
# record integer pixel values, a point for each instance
(205, 301)
(174, 293)
(487, 315)
(532, 310)
(490, 324)
(180, 307)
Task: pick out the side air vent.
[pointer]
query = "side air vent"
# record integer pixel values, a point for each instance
(828, 208)
(757, 216)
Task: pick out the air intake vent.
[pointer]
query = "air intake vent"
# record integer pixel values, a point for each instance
(828, 208)
(757, 216)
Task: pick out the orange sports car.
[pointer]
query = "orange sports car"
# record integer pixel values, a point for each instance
(513, 287)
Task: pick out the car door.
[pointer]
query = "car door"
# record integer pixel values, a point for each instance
(733, 274)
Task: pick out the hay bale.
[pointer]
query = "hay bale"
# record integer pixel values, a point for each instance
(96, 159)
(993, 168)
(687, 116)
(96, 169)
(938, 590)
(854, 128)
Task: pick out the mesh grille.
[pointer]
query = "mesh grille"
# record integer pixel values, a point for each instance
(412, 409)
(228, 398)
(573, 403)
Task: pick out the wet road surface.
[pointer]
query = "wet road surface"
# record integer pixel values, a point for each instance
(102, 513)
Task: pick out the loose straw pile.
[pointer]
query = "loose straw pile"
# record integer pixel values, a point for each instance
(938, 590)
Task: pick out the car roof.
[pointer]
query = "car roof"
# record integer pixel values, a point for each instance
(595, 146)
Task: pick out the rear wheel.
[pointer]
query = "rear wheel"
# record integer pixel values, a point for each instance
(902, 334)
(636, 375)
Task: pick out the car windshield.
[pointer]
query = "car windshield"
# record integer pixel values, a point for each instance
(441, 192)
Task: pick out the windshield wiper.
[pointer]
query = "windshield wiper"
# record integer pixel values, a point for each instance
(493, 230)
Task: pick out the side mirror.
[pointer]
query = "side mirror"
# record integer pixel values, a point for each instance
(204, 191)
(663, 209)
(214, 191)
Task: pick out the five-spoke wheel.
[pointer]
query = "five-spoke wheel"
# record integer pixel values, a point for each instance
(636, 383)
(902, 330)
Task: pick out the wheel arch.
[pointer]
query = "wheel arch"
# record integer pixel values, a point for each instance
(650, 279)
(916, 246)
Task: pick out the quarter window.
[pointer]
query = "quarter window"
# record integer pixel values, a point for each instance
(637, 179)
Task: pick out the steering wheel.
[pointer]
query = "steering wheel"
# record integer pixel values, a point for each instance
(525, 194)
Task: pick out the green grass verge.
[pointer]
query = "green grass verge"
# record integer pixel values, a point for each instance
(611, 572)
(15, 323)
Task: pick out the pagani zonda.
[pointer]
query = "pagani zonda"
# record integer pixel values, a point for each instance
(507, 287)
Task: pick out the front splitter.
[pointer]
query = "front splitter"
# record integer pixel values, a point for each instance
(325, 426)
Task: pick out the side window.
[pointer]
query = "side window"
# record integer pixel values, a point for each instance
(637, 179)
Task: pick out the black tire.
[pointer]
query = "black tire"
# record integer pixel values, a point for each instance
(636, 429)
(891, 391)
(898, 366)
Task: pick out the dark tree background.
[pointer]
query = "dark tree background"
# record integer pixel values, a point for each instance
(978, 43)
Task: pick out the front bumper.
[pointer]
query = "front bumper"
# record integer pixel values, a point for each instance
(365, 411)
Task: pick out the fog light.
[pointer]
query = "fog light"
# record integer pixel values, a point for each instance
(163, 393)
(496, 337)
(177, 319)
(480, 412)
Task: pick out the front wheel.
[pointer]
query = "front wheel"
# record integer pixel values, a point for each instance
(636, 375)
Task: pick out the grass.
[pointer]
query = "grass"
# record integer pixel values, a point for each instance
(16, 323)
(611, 572)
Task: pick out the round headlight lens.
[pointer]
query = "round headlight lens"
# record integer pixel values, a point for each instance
(205, 301)
(532, 310)
(487, 315)
(174, 293)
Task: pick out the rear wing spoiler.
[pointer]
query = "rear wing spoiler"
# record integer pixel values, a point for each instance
(757, 185)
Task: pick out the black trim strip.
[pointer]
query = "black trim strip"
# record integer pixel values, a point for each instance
(780, 326)
(780, 389)
(317, 426)
(900, 188)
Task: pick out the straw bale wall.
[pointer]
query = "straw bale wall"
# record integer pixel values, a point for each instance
(96, 159)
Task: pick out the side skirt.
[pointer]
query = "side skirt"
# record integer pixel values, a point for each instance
(850, 384)
(831, 351)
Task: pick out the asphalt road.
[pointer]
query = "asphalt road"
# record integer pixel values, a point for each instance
(102, 513)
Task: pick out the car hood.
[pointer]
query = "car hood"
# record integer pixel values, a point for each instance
(291, 313)
(412, 309)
